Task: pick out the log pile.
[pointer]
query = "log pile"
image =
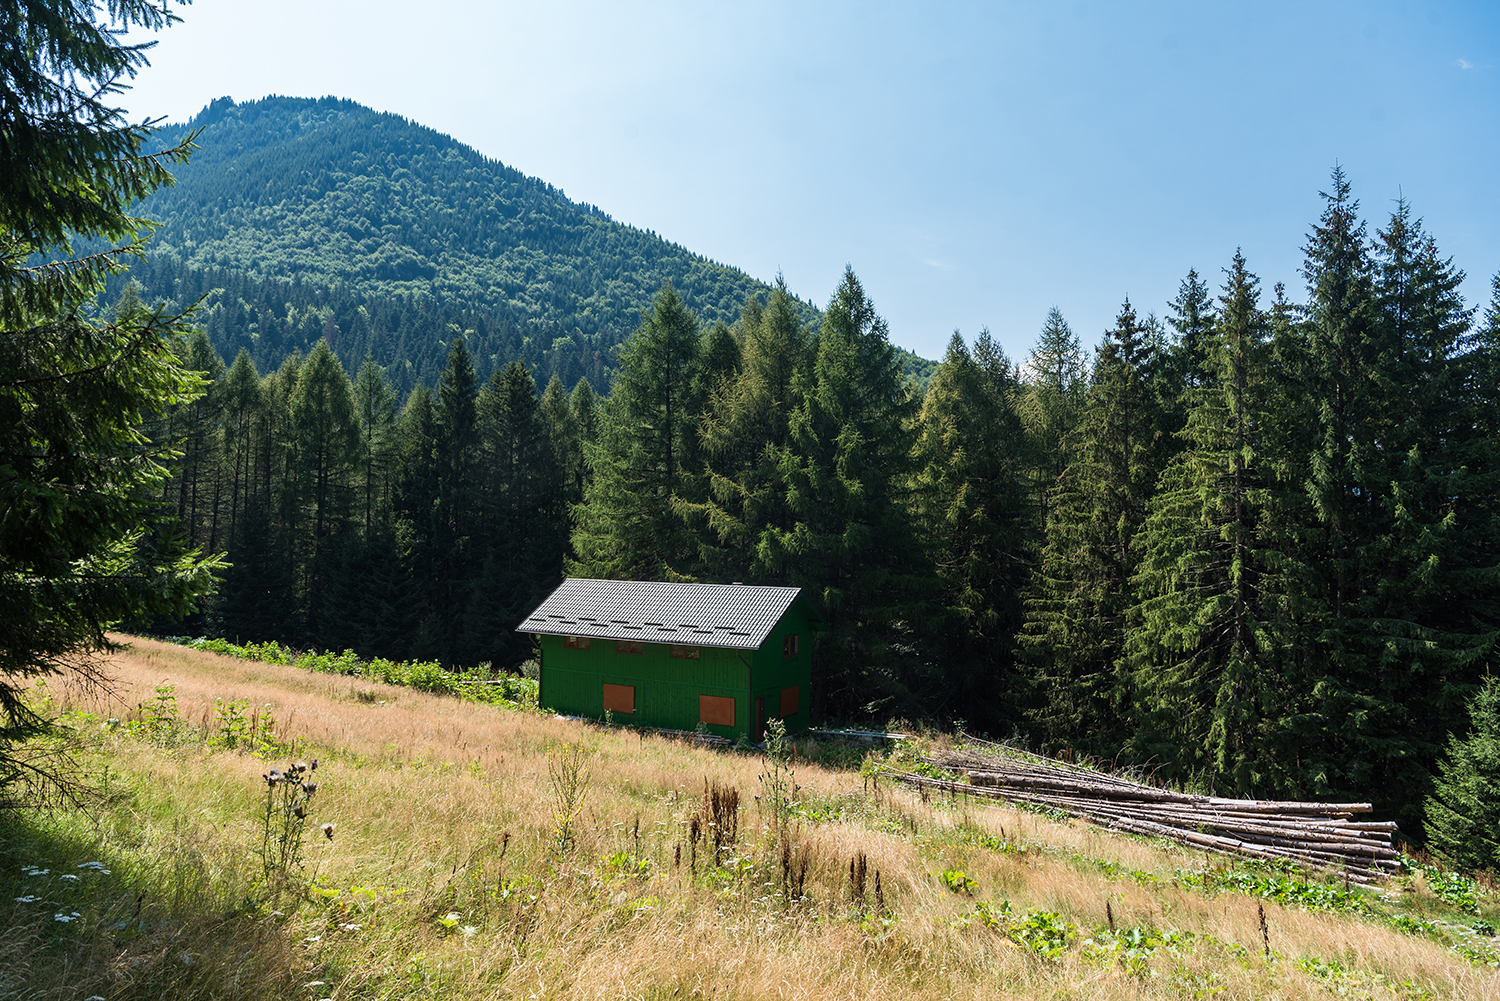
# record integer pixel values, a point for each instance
(1319, 835)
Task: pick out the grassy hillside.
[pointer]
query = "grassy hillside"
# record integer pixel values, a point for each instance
(458, 868)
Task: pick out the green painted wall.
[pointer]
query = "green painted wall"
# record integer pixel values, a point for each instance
(667, 688)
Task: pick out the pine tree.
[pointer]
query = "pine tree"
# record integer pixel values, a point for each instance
(1208, 626)
(1463, 812)
(746, 435)
(627, 527)
(524, 519)
(375, 407)
(77, 481)
(1055, 385)
(853, 544)
(973, 503)
(1075, 621)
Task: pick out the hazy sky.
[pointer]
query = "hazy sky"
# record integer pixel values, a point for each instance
(975, 163)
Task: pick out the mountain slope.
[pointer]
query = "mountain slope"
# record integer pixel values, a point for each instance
(326, 206)
(333, 192)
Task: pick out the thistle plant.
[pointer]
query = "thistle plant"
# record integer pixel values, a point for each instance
(568, 774)
(777, 782)
(289, 796)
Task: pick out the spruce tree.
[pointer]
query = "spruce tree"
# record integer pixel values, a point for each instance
(416, 506)
(853, 545)
(524, 521)
(1192, 317)
(628, 527)
(1206, 629)
(973, 505)
(326, 425)
(746, 435)
(1076, 614)
(566, 441)
(1055, 383)
(194, 432)
(1383, 484)
(375, 406)
(80, 548)
(242, 404)
(1463, 812)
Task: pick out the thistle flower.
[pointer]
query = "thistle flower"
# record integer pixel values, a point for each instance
(299, 812)
(314, 766)
(301, 766)
(309, 787)
(272, 777)
(328, 831)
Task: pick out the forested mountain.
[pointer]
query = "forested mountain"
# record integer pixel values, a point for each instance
(1254, 545)
(323, 219)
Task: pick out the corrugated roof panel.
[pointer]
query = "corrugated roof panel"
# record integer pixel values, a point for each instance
(733, 616)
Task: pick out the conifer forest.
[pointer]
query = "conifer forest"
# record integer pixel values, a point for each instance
(1247, 539)
(1251, 543)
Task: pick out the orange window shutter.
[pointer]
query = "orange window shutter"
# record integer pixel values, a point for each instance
(789, 702)
(619, 698)
(717, 710)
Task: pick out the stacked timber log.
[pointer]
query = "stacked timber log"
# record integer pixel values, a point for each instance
(1319, 835)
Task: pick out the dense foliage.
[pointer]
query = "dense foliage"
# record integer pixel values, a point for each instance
(1254, 545)
(78, 550)
(325, 219)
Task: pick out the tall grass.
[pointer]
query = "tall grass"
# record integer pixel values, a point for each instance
(448, 877)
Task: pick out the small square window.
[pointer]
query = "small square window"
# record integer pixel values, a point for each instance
(629, 646)
(576, 642)
(684, 652)
(789, 646)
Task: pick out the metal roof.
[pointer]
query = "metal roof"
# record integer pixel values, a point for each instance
(733, 616)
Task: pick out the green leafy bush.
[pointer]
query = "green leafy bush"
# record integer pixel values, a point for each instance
(474, 685)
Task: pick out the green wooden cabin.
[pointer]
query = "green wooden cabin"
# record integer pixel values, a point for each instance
(727, 656)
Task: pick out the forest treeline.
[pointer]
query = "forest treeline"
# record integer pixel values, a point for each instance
(1253, 544)
(408, 336)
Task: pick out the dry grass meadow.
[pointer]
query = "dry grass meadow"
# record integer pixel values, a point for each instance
(448, 876)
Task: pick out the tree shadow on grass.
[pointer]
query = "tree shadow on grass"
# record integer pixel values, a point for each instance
(78, 920)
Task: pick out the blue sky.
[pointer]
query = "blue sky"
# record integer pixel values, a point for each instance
(975, 163)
